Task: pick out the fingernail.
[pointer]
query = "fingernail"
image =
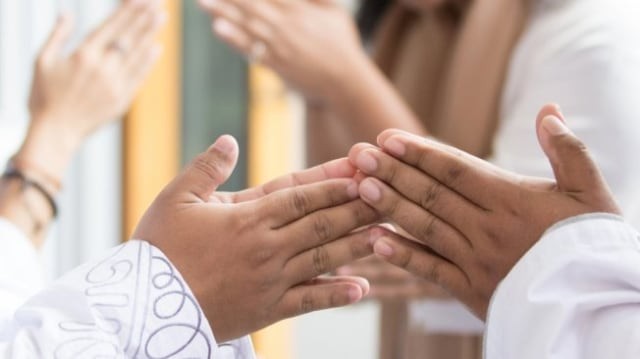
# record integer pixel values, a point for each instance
(374, 235)
(224, 144)
(354, 294)
(395, 147)
(346, 271)
(370, 191)
(383, 249)
(209, 2)
(554, 126)
(352, 190)
(367, 162)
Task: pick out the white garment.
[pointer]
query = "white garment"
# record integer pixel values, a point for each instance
(133, 303)
(583, 55)
(574, 295)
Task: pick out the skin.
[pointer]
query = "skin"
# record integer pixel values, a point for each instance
(73, 95)
(299, 36)
(349, 100)
(253, 258)
(471, 222)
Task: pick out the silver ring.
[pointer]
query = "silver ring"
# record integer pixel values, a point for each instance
(117, 46)
(258, 51)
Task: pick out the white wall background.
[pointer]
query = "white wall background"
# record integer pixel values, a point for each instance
(90, 203)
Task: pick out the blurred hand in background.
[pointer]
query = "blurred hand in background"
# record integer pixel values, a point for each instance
(74, 94)
(313, 45)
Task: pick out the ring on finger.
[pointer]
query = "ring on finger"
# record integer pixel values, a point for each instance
(117, 46)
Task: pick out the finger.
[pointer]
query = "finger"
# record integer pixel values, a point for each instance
(250, 14)
(57, 39)
(418, 187)
(423, 225)
(138, 62)
(211, 168)
(422, 262)
(469, 176)
(415, 289)
(117, 23)
(325, 258)
(326, 225)
(378, 272)
(322, 293)
(573, 166)
(143, 29)
(289, 205)
(340, 168)
(233, 35)
(138, 68)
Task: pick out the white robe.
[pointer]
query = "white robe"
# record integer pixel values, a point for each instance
(574, 295)
(133, 303)
(583, 55)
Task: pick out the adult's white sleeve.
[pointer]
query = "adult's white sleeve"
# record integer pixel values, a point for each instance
(575, 294)
(20, 269)
(133, 303)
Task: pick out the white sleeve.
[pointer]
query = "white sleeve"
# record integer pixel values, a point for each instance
(131, 304)
(574, 295)
(20, 269)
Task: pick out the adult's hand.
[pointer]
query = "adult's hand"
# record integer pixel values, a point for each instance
(472, 220)
(74, 94)
(253, 258)
(390, 283)
(301, 40)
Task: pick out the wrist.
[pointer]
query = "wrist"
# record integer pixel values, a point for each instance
(46, 151)
(352, 82)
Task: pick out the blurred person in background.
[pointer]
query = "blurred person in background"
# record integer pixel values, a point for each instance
(72, 95)
(469, 73)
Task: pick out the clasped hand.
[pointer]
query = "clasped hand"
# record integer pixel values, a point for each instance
(255, 257)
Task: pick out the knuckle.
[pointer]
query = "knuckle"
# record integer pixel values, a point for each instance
(363, 214)
(322, 228)
(210, 167)
(430, 196)
(320, 260)
(299, 202)
(434, 272)
(403, 260)
(453, 174)
(263, 256)
(428, 229)
(307, 303)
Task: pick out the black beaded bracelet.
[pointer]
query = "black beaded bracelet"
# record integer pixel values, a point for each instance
(27, 182)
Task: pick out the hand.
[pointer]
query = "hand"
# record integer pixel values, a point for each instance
(473, 221)
(313, 45)
(73, 95)
(253, 258)
(390, 283)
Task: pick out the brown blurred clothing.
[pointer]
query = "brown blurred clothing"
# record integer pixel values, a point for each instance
(449, 65)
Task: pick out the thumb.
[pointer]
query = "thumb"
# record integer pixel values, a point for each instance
(58, 37)
(212, 168)
(573, 166)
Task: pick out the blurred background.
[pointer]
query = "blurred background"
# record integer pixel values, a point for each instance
(199, 90)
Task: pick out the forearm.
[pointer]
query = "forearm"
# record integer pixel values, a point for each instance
(27, 191)
(363, 104)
